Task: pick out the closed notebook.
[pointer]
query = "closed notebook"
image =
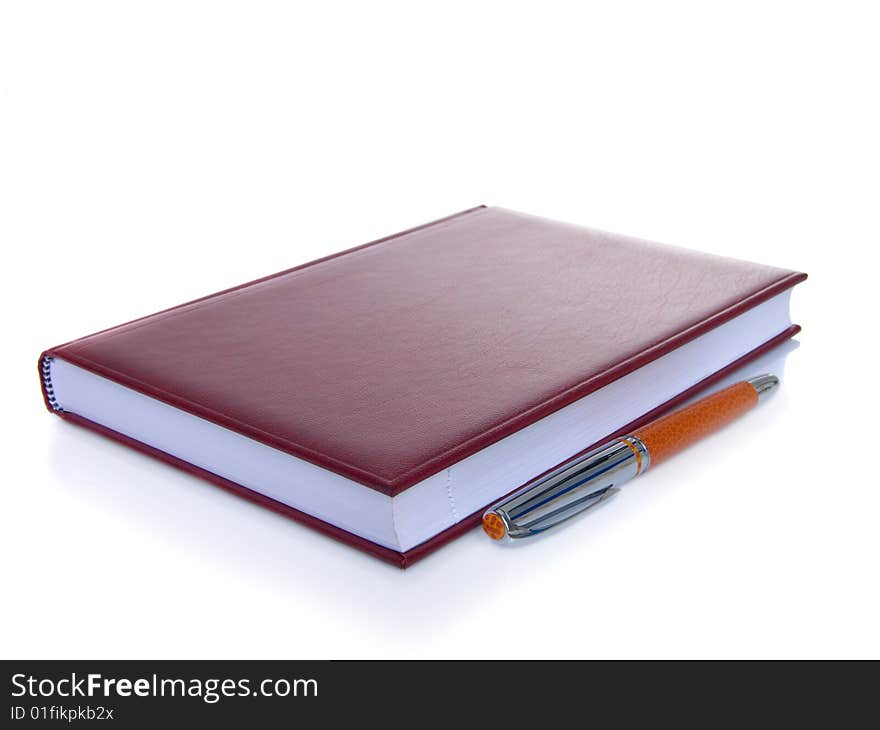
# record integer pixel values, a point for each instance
(388, 394)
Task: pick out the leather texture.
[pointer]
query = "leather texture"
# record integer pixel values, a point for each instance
(670, 434)
(392, 361)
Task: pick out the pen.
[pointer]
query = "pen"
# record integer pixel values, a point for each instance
(589, 479)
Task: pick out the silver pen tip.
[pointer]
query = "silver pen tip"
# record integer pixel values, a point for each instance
(764, 383)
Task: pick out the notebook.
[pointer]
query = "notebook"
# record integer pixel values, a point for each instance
(388, 394)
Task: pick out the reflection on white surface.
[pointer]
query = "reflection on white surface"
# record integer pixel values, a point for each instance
(219, 531)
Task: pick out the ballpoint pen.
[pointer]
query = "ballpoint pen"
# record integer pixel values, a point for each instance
(589, 479)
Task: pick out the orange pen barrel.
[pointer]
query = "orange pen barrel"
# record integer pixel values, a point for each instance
(670, 434)
(585, 481)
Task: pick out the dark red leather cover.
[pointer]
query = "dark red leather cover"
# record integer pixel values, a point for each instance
(400, 559)
(394, 360)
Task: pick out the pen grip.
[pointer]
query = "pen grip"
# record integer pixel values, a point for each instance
(673, 433)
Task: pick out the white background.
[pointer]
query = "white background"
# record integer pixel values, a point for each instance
(154, 152)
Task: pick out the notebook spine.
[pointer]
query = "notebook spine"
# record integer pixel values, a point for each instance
(46, 372)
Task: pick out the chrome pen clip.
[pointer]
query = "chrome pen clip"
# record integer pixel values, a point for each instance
(574, 487)
(585, 481)
(519, 525)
